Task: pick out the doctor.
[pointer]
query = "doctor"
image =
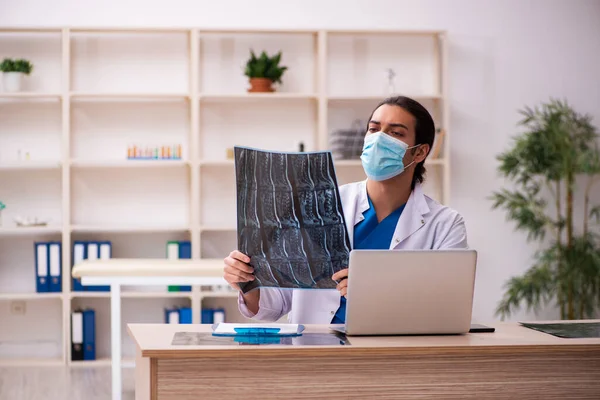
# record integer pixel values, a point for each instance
(386, 211)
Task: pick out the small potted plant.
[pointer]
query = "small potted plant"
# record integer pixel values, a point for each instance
(13, 72)
(263, 71)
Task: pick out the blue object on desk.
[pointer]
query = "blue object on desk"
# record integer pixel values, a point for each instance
(257, 331)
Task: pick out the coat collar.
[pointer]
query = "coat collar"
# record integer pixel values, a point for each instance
(413, 216)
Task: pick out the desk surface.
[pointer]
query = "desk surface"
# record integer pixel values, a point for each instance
(149, 267)
(154, 340)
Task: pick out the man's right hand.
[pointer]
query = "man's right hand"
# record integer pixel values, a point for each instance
(237, 269)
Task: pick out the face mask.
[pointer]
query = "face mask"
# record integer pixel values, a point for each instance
(382, 156)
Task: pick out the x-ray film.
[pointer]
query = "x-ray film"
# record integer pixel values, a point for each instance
(289, 219)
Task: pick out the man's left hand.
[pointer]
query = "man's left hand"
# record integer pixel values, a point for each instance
(341, 276)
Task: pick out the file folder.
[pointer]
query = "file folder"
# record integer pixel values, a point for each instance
(41, 267)
(105, 253)
(185, 253)
(94, 253)
(218, 315)
(173, 254)
(185, 315)
(79, 254)
(207, 316)
(76, 335)
(89, 334)
(171, 316)
(55, 264)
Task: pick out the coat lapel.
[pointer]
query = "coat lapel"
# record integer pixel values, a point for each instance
(355, 215)
(412, 218)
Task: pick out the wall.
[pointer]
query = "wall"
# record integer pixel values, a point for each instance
(503, 55)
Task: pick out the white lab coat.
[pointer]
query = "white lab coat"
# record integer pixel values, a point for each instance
(423, 224)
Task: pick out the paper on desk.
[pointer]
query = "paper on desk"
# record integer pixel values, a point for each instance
(283, 329)
(290, 220)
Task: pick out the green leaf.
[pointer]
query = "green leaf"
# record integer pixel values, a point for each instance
(265, 66)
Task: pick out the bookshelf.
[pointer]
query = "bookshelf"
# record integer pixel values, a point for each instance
(95, 91)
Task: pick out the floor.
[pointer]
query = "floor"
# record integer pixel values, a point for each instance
(61, 383)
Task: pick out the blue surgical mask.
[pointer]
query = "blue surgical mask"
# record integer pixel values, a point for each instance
(382, 156)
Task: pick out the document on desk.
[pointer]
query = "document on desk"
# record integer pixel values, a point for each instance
(289, 218)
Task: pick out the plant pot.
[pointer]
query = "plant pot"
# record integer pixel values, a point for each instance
(260, 85)
(12, 81)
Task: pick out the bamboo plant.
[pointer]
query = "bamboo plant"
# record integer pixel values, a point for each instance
(558, 147)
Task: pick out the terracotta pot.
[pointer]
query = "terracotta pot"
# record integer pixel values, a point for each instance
(261, 85)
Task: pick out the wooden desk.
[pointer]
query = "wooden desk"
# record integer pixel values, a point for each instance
(514, 362)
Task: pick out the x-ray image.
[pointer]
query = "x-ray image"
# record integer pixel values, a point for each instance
(290, 219)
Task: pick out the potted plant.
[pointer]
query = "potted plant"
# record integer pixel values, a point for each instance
(263, 71)
(558, 147)
(13, 72)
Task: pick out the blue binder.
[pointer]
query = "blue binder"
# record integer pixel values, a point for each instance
(185, 252)
(171, 316)
(185, 315)
(55, 266)
(207, 316)
(89, 334)
(42, 268)
(79, 254)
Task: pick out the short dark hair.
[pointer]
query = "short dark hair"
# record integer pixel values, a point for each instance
(424, 127)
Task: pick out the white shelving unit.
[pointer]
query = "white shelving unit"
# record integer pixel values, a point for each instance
(96, 91)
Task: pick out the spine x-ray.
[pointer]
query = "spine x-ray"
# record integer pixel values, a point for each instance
(289, 219)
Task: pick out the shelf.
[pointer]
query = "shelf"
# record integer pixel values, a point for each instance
(128, 96)
(33, 230)
(128, 229)
(100, 295)
(158, 295)
(208, 228)
(31, 362)
(381, 97)
(30, 165)
(30, 296)
(217, 163)
(30, 95)
(101, 362)
(220, 295)
(265, 96)
(129, 163)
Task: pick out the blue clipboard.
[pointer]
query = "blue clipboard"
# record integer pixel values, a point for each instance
(257, 332)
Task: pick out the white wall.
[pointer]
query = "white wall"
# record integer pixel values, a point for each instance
(503, 55)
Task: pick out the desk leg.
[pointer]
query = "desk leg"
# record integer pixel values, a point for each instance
(115, 339)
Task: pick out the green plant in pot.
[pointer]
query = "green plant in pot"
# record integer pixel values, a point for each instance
(264, 71)
(558, 147)
(13, 72)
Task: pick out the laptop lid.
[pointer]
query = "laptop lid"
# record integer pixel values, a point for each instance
(410, 292)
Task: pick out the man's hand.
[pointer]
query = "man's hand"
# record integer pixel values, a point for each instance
(237, 269)
(341, 276)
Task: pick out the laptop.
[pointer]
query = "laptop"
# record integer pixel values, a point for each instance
(410, 292)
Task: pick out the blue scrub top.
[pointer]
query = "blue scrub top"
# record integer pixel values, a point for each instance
(372, 235)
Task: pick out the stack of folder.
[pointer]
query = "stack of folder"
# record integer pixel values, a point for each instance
(83, 335)
(90, 251)
(178, 315)
(48, 267)
(179, 250)
(183, 315)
